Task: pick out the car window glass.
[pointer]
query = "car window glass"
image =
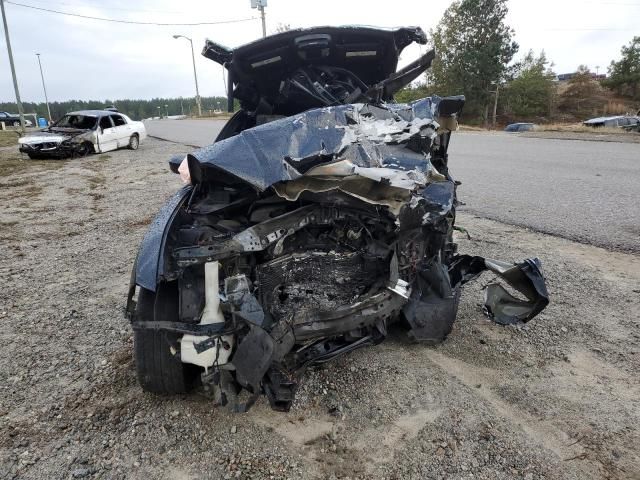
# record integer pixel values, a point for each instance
(83, 122)
(2, 114)
(118, 120)
(105, 122)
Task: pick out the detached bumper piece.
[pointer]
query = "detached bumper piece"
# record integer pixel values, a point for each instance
(500, 306)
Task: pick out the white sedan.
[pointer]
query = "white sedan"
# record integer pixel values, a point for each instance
(80, 133)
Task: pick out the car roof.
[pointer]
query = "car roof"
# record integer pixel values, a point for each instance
(521, 123)
(93, 113)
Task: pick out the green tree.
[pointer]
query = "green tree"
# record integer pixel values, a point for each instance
(411, 93)
(531, 92)
(624, 75)
(473, 49)
(584, 96)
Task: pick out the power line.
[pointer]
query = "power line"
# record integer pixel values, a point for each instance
(113, 20)
(585, 29)
(108, 7)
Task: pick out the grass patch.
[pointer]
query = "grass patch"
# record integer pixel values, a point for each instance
(471, 128)
(12, 162)
(96, 181)
(140, 222)
(9, 138)
(33, 190)
(17, 183)
(577, 128)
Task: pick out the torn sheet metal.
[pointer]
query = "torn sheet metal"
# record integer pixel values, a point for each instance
(396, 139)
(525, 277)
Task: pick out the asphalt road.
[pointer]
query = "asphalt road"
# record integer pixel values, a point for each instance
(190, 132)
(582, 190)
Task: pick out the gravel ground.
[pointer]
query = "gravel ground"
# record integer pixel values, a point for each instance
(555, 399)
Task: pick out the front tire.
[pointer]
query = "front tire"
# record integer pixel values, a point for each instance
(84, 149)
(134, 142)
(158, 370)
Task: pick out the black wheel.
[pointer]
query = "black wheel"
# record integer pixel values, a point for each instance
(84, 149)
(33, 156)
(134, 142)
(158, 370)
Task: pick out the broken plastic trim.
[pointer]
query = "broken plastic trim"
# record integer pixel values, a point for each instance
(500, 306)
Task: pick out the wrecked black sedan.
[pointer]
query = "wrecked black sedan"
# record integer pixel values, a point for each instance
(322, 214)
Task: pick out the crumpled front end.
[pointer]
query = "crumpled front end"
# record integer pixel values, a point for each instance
(310, 235)
(57, 145)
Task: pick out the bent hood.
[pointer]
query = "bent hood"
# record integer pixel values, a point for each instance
(387, 144)
(43, 136)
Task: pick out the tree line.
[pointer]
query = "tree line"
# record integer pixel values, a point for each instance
(136, 109)
(475, 56)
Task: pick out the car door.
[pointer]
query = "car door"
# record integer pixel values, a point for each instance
(107, 135)
(122, 129)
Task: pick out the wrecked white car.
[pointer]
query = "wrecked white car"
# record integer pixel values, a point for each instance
(78, 134)
(322, 215)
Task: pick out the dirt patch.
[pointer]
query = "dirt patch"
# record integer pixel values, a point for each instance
(553, 399)
(9, 138)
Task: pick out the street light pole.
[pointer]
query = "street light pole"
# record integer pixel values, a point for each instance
(13, 68)
(264, 21)
(260, 4)
(195, 74)
(495, 105)
(46, 99)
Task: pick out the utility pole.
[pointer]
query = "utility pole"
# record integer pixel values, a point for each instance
(264, 22)
(495, 105)
(13, 68)
(195, 74)
(260, 4)
(44, 88)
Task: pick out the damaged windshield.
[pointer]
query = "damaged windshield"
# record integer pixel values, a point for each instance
(83, 122)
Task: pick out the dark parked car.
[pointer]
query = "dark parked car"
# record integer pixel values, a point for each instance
(321, 217)
(519, 127)
(13, 120)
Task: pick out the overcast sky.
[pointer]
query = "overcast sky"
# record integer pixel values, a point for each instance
(88, 59)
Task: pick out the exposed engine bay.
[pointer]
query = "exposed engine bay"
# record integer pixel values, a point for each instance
(306, 235)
